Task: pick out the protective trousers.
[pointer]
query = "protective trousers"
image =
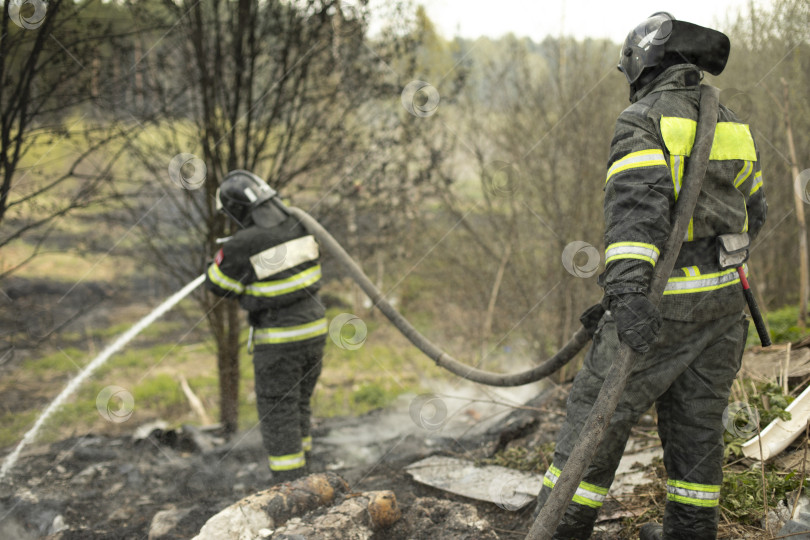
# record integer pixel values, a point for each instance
(688, 375)
(285, 377)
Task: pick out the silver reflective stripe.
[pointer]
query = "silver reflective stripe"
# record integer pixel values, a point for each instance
(224, 282)
(622, 249)
(642, 158)
(284, 256)
(708, 282)
(593, 499)
(264, 336)
(744, 173)
(294, 283)
(677, 163)
(588, 494)
(693, 494)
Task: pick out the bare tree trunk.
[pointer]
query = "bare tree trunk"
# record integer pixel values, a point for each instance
(228, 365)
(351, 226)
(804, 273)
(493, 299)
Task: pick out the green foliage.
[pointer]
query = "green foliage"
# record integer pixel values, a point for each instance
(741, 497)
(769, 402)
(782, 326)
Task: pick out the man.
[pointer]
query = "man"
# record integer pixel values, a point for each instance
(691, 348)
(272, 267)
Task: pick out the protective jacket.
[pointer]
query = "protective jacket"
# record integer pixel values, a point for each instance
(275, 273)
(648, 155)
(688, 372)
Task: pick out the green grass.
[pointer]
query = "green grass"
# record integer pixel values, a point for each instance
(783, 327)
(64, 361)
(14, 425)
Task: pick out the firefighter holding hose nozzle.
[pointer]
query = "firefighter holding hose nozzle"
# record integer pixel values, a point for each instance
(272, 266)
(691, 345)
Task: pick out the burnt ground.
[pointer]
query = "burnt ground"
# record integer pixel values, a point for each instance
(95, 487)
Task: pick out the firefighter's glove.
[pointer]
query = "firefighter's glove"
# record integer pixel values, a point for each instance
(590, 318)
(637, 320)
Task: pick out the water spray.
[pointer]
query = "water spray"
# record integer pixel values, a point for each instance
(99, 361)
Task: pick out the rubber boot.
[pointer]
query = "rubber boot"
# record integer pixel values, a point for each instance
(651, 531)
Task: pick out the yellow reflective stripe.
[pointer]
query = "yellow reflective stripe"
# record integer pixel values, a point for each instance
(279, 287)
(635, 160)
(690, 231)
(677, 174)
(306, 443)
(691, 271)
(703, 495)
(706, 282)
(287, 462)
(731, 139)
(693, 502)
(757, 183)
(632, 250)
(287, 334)
(223, 281)
(705, 488)
(586, 494)
(744, 173)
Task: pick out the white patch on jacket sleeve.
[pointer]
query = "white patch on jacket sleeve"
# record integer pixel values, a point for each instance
(284, 256)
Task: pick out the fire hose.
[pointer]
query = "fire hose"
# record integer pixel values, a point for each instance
(605, 404)
(441, 358)
(613, 386)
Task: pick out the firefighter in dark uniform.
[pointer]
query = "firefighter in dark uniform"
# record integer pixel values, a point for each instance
(271, 265)
(692, 346)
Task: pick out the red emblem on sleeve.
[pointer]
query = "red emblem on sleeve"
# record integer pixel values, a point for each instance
(219, 256)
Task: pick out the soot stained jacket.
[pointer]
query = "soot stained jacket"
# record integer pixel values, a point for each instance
(275, 273)
(648, 155)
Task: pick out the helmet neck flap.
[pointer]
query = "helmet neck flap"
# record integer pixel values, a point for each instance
(661, 41)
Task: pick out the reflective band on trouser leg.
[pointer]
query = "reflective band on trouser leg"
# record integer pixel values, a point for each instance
(632, 250)
(703, 495)
(637, 160)
(306, 443)
(288, 462)
(289, 334)
(702, 283)
(586, 494)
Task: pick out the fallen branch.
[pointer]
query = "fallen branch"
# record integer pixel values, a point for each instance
(194, 401)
